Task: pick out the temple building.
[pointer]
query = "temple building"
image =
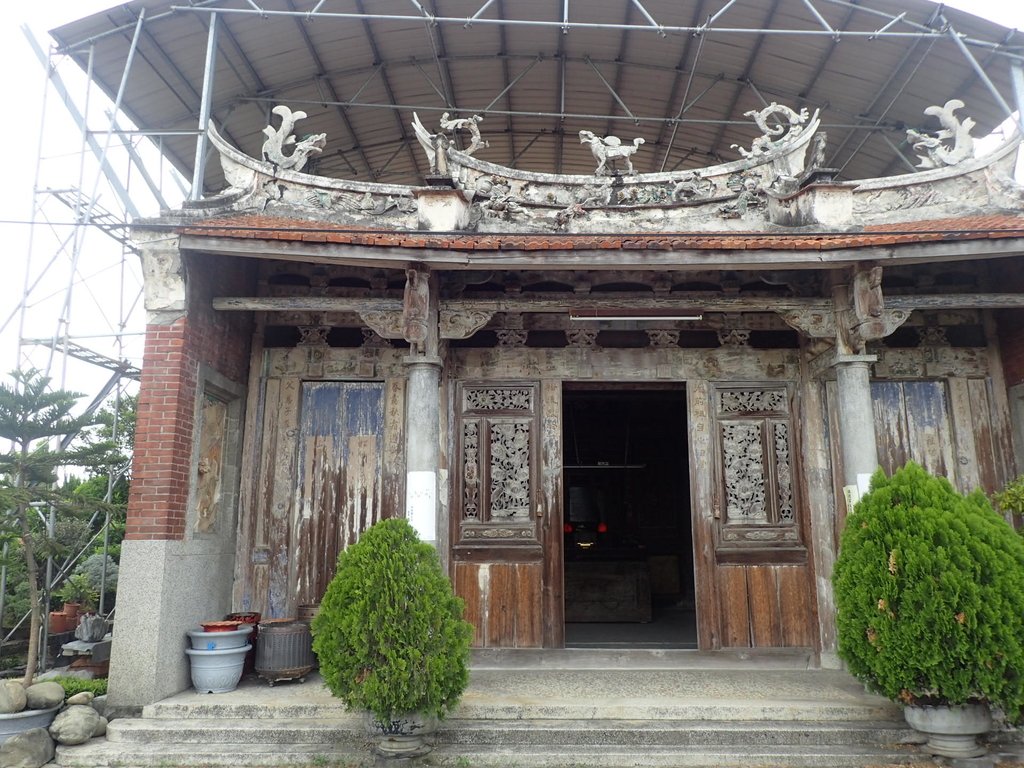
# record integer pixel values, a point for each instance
(629, 395)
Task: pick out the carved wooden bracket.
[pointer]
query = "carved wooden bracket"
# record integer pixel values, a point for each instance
(811, 322)
(387, 323)
(461, 324)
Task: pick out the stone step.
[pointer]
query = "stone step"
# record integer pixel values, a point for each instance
(524, 733)
(99, 754)
(580, 694)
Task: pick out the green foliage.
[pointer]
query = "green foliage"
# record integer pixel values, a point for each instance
(389, 635)
(73, 685)
(1011, 498)
(92, 569)
(32, 417)
(78, 589)
(929, 587)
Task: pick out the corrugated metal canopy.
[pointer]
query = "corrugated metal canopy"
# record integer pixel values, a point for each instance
(360, 68)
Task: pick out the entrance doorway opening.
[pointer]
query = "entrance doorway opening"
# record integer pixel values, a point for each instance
(628, 543)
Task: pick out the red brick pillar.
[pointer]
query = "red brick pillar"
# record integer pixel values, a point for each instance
(163, 435)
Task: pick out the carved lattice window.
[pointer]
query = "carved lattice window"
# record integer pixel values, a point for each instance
(758, 506)
(497, 434)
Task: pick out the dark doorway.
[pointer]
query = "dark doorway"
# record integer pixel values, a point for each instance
(627, 533)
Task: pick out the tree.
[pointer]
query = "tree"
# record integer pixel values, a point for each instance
(31, 418)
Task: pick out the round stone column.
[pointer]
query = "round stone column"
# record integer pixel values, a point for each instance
(856, 417)
(422, 445)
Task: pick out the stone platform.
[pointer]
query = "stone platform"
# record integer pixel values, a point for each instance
(596, 709)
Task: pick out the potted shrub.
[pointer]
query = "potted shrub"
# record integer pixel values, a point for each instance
(929, 586)
(79, 592)
(390, 637)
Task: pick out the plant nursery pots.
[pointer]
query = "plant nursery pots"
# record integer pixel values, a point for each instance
(219, 626)
(217, 671)
(218, 641)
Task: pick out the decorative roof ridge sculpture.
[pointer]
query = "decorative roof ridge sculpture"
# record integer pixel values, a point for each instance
(778, 184)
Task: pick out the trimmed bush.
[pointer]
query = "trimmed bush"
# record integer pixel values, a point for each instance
(929, 587)
(389, 635)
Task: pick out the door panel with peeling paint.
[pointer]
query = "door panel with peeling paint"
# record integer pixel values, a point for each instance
(337, 489)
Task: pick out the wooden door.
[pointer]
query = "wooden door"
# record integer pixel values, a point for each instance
(338, 488)
(755, 585)
(506, 512)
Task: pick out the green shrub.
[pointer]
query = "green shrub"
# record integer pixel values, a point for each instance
(73, 685)
(929, 587)
(1011, 498)
(389, 635)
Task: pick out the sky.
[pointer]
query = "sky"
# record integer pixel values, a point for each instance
(103, 291)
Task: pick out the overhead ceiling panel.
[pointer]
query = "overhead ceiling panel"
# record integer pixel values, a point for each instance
(359, 76)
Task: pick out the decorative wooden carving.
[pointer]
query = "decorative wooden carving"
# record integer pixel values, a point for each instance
(471, 470)
(811, 322)
(498, 399)
(387, 323)
(759, 508)
(933, 336)
(581, 337)
(510, 470)
(313, 335)
(416, 310)
(373, 340)
(662, 338)
(512, 337)
(734, 338)
(497, 450)
(745, 482)
(461, 324)
(212, 436)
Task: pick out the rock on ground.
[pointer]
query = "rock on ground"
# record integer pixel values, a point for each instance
(82, 697)
(12, 697)
(44, 695)
(75, 725)
(29, 749)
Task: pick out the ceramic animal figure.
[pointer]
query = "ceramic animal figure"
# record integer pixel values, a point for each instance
(610, 148)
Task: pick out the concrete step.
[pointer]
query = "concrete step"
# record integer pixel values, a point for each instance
(98, 754)
(523, 733)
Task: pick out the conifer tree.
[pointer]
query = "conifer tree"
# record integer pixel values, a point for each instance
(32, 417)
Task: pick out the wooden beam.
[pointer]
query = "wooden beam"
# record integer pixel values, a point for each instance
(680, 302)
(956, 301)
(683, 260)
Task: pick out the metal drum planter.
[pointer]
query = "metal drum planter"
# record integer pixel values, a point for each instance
(285, 650)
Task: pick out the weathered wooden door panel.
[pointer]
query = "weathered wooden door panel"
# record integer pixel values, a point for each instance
(503, 603)
(341, 436)
(755, 585)
(912, 424)
(505, 508)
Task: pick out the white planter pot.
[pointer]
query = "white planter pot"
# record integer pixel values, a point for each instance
(217, 671)
(18, 722)
(216, 641)
(952, 731)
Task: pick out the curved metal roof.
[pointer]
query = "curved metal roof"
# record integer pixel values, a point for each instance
(679, 73)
